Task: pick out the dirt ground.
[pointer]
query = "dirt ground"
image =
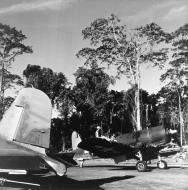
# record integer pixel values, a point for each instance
(98, 175)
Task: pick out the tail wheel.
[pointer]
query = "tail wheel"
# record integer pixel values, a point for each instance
(161, 164)
(141, 166)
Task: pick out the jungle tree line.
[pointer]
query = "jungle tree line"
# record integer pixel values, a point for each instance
(113, 44)
(90, 102)
(11, 45)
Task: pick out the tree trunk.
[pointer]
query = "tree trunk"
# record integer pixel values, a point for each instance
(138, 126)
(138, 111)
(2, 90)
(180, 119)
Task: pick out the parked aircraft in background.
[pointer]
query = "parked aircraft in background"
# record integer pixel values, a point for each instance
(25, 137)
(142, 145)
(80, 155)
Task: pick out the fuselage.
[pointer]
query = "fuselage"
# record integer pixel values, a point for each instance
(156, 135)
(15, 157)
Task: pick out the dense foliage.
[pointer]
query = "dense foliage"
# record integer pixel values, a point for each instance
(126, 50)
(11, 45)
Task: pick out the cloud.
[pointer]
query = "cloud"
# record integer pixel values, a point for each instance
(138, 19)
(176, 12)
(166, 4)
(160, 12)
(37, 5)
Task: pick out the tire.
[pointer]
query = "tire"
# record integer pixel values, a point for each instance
(141, 166)
(162, 164)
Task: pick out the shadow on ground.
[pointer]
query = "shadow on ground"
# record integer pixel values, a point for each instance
(57, 183)
(149, 169)
(111, 168)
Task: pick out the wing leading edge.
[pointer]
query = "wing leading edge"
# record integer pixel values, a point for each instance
(107, 149)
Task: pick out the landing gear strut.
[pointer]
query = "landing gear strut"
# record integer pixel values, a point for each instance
(141, 165)
(161, 164)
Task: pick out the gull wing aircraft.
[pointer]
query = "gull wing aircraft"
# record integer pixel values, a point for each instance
(25, 137)
(143, 146)
(80, 155)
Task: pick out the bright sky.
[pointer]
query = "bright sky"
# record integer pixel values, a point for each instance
(53, 29)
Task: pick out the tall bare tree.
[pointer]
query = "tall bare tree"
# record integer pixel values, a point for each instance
(176, 76)
(11, 45)
(125, 49)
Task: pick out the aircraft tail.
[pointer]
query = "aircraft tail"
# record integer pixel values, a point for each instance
(79, 153)
(75, 140)
(28, 119)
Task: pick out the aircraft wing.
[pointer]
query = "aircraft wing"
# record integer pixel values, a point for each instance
(107, 149)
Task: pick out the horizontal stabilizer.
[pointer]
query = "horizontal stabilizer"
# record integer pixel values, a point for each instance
(65, 158)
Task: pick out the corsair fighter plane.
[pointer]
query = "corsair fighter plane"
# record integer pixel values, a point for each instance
(143, 146)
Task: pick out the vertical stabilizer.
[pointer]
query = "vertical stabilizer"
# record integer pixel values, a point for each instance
(28, 119)
(75, 140)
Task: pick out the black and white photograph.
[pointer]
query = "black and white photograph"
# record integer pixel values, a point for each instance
(93, 94)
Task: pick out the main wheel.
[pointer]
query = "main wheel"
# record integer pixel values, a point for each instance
(161, 164)
(141, 166)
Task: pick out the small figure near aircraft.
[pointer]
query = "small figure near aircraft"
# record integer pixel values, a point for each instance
(25, 137)
(142, 145)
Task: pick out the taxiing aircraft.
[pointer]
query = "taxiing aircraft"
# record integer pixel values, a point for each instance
(143, 146)
(25, 137)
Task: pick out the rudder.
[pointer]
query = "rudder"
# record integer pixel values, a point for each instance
(28, 119)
